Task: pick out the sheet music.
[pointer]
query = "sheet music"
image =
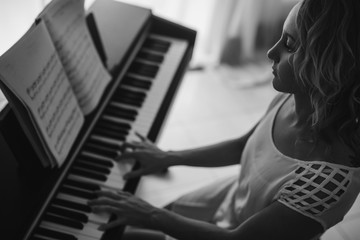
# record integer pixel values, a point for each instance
(44, 89)
(66, 22)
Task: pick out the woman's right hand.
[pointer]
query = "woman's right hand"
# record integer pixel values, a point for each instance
(151, 158)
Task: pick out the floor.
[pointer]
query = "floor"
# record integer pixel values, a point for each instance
(215, 104)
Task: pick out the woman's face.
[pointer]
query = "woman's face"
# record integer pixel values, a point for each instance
(282, 54)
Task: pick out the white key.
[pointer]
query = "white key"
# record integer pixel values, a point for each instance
(90, 230)
(94, 217)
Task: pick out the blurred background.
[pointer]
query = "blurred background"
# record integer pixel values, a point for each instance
(225, 91)
(230, 32)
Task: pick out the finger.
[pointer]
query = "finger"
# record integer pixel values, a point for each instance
(133, 144)
(126, 155)
(112, 224)
(139, 135)
(107, 209)
(134, 174)
(103, 201)
(108, 194)
(124, 194)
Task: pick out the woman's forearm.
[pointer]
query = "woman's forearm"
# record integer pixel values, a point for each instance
(181, 227)
(216, 155)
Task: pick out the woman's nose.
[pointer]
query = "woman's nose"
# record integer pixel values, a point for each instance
(271, 54)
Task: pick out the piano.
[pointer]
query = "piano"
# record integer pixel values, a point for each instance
(147, 57)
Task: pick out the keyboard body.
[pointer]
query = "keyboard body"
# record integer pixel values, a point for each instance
(147, 56)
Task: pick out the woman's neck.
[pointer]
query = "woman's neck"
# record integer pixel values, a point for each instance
(301, 110)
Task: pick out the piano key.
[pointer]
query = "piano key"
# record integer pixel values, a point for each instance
(113, 146)
(80, 204)
(120, 136)
(82, 185)
(138, 83)
(116, 120)
(102, 149)
(145, 69)
(77, 192)
(88, 174)
(120, 125)
(153, 57)
(63, 221)
(72, 205)
(92, 167)
(119, 169)
(109, 183)
(120, 112)
(129, 101)
(65, 213)
(52, 234)
(125, 95)
(90, 230)
(89, 158)
(116, 107)
(58, 235)
(110, 174)
(41, 238)
(157, 45)
(129, 93)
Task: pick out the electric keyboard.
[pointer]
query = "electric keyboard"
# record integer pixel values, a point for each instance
(147, 57)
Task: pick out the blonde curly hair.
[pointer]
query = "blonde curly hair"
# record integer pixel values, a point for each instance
(327, 63)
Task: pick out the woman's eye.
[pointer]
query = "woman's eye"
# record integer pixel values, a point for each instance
(290, 44)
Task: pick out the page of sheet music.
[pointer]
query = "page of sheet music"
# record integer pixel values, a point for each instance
(33, 71)
(66, 22)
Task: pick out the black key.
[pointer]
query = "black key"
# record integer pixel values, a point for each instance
(139, 83)
(63, 221)
(38, 238)
(91, 167)
(54, 234)
(93, 159)
(101, 150)
(136, 102)
(110, 133)
(66, 213)
(124, 95)
(151, 56)
(110, 145)
(82, 185)
(113, 126)
(73, 205)
(122, 92)
(88, 174)
(131, 112)
(106, 121)
(131, 102)
(78, 192)
(157, 45)
(122, 113)
(144, 69)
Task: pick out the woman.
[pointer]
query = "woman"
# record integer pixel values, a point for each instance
(300, 169)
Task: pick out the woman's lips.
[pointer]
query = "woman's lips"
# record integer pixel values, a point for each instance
(274, 71)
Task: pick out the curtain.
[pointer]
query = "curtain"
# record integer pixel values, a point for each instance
(228, 31)
(253, 27)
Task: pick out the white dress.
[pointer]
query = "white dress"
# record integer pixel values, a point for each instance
(320, 190)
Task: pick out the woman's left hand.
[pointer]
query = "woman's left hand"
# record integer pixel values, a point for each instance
(129, 209)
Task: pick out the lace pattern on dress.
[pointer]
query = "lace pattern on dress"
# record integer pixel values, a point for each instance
(316, 187)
